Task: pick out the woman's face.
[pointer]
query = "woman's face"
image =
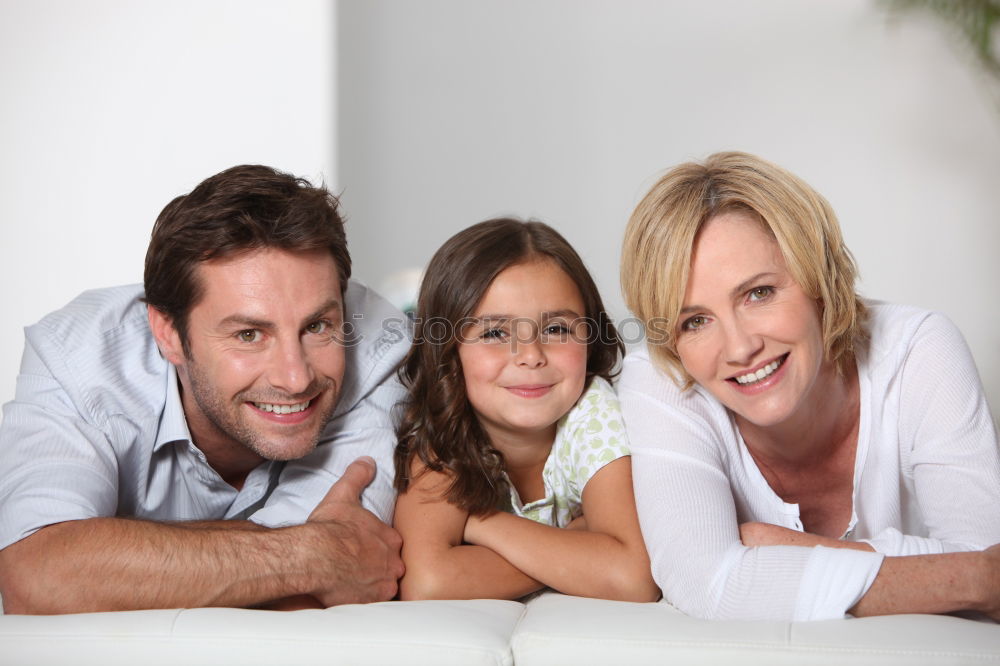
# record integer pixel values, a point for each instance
(747, 332)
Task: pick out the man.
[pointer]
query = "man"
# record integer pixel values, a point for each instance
(192, 444)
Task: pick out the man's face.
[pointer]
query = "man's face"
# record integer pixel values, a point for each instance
(265, 360)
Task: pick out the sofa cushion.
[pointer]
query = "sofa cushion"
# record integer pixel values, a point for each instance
(419, 632)
(562, 629)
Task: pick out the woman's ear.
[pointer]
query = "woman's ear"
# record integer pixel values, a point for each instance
(166, 336)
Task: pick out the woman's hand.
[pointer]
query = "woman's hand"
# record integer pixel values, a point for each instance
(766, 534)
(991, 582)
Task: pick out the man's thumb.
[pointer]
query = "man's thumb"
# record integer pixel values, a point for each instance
(356, 478)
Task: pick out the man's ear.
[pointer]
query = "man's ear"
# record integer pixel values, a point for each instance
(166, 336)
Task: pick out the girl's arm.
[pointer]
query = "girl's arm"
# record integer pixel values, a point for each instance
(606, 560)
(438, 565)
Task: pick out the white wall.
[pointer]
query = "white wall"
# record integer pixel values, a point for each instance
(113, 107)
(452, 111)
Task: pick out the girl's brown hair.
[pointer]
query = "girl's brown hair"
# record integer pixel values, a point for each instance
(438, 425)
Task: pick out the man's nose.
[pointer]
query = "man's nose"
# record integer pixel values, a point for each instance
(291, 370)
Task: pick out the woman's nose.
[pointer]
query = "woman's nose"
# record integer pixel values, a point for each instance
(741, 344)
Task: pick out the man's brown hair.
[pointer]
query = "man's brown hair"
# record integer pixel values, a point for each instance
(241, 209)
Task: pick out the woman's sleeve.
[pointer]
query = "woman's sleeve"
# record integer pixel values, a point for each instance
(688, 516)
(955, 460)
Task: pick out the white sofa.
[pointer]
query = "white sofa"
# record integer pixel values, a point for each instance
(550, 629)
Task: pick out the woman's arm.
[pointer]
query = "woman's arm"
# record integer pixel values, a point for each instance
(946, 425)
(438, 564)
(935, 584)
(606, 560)
(689, 491)
(765, 534)
(686, 474)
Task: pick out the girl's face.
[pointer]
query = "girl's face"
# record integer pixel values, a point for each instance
(747, 331)
(524, 357)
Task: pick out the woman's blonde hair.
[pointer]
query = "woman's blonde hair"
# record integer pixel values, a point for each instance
(660, 237)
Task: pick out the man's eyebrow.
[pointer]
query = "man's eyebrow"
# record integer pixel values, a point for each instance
(244, 321)
(332, 304)
(249, 321)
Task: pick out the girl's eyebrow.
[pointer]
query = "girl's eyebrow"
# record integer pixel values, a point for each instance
(567, 313)
(553, 314)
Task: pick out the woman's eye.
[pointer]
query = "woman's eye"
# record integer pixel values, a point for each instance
(249, 335)
(760, 293)
(694, 323)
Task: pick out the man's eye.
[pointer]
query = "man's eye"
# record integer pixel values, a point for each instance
(760, 293)
(318, 327)
(249, 335)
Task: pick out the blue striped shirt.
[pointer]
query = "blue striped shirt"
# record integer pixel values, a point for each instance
(97, 429)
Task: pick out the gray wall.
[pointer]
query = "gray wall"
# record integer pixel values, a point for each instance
(452, 111)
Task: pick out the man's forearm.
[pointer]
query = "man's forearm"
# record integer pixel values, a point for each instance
(121, 564)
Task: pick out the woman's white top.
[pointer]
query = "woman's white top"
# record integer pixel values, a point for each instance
(926, 479)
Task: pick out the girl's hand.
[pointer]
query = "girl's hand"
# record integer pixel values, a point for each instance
(474, 527)
(438, 564)
(473, 530)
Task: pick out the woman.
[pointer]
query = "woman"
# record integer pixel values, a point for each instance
(791, 442)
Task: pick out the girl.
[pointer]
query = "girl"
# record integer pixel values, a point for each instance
(512, 465)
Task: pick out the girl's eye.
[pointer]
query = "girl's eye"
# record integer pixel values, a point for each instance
(759, 293)
(249, 335)
(556, 331)
(494, 334)
(694, 323)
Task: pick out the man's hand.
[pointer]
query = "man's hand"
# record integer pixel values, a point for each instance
(362, 560)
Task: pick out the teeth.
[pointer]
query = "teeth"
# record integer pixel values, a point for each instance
(281, 409)
(752, 377)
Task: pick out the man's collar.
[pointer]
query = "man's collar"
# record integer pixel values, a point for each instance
(173, 425)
